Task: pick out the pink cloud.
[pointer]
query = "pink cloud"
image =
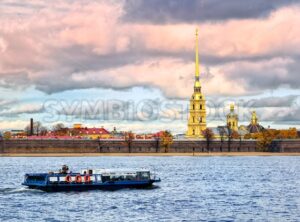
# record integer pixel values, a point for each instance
(278, 33)
(36, 45)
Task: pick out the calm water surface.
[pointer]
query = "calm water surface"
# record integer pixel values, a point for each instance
(192, 189)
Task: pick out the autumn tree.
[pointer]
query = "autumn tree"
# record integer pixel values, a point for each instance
(293, 133)
(287, 134)
(264, 140)
(235, 135)
(247, 136)
(265, 137)
(167, 140)
(7, 135)
(208, 134)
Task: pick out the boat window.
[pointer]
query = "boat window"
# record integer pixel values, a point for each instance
(36, 178)
(53, 179)
(62, 179)
(130, 177)
(105, 178)
(143, 175)
(146, 175)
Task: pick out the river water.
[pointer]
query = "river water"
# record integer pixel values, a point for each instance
(192, 189)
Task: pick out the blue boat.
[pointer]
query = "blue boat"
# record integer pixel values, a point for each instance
(89, 179)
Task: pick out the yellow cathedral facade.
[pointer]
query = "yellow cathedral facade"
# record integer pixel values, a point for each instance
(197, 109)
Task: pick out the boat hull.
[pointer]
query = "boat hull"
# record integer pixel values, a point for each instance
(86, 187)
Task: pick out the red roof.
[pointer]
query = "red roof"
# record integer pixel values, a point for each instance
(91, 131)
(158, 134)
(51, 137)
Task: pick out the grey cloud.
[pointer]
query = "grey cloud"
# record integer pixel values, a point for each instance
(80, 59)
(285, 101)
(16, 80)
(4, 103)
(287, 114)
(60, 78)
(206, 58)
(27, 109)
(292, 115)
(294, 123)
(269, 76)
(177, 11)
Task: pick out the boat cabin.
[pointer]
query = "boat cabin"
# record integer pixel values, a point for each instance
(109, 175)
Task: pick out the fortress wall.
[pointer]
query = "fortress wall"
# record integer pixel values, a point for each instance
(48, 146)
(214, 146)
(139, 146)
(286, 146)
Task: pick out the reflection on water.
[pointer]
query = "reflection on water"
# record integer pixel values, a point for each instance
(192, 188)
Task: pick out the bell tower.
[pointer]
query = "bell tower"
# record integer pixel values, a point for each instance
(197, 109)
(232, 119)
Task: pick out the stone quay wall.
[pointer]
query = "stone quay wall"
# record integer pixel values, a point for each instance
(139, 146)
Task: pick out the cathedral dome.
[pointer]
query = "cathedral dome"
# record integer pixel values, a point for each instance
(255, 128)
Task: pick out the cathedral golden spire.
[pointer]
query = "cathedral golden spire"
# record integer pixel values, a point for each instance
(197, 109)
(196, 56)
(254, 118)
(232, 107)
(197, 72)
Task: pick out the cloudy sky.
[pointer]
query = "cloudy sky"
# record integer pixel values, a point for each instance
(130, 63)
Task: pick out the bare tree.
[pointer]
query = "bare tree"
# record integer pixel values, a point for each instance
(43, 131)
(59, 129)
(222, 135)
(38, 129)
(157, 139)
(129, 137)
